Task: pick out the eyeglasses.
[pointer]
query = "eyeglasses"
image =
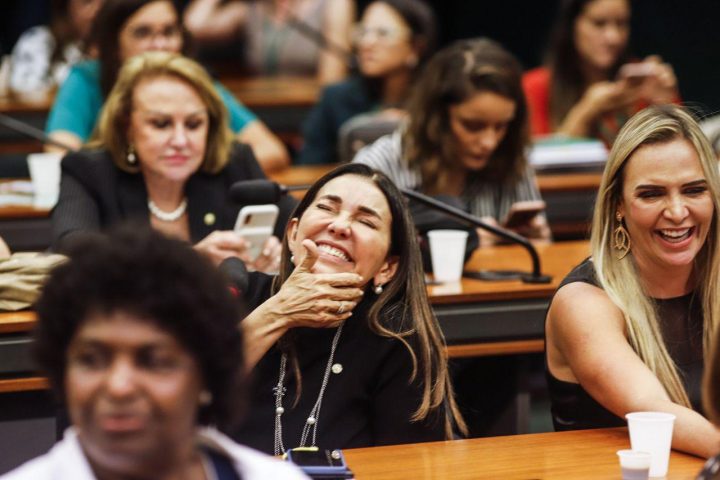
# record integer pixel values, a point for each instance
(145, 33)
(382, 34)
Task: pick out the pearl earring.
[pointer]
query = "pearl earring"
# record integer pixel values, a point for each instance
(378, 289)
(131, 157)
(292, 259)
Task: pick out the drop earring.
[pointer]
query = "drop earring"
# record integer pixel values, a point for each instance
(131, 157)
(621, 238)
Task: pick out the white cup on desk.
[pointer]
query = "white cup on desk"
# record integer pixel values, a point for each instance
(652, 432)
(447, 251)
(45, 177)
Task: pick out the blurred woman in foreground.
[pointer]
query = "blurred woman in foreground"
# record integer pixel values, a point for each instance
(142, 368)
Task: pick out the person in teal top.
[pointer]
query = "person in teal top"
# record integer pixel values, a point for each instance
(122, 29)
(79, 101)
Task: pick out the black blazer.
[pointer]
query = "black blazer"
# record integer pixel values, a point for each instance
(95, 194)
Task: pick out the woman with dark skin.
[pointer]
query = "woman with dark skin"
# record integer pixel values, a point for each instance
(143, 369)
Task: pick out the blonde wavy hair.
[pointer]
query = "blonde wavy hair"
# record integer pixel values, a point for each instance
(112, 129)
(620, 278)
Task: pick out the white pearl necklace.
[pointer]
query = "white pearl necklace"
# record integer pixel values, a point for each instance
(167, 216)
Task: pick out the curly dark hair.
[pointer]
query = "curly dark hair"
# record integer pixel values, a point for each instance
(163, 281)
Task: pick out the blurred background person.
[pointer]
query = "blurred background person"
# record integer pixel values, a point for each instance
(629, 328)
(122, 29)
(466, 136)
(274, 35)
(143, 369)
(347, 351)
(393, 40)
(43, 55)
(165, 156)
(586, 90)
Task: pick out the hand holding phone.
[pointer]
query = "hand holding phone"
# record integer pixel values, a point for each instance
(522, 213)
(636, 73)
(255, 223)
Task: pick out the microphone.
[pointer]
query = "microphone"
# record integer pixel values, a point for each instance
(32, 132)
(260, 191)
(237, 273)
(535, 277)
(319, 38)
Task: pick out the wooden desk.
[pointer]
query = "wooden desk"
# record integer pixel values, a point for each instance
(587, 455)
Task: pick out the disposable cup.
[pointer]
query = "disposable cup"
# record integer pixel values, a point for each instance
(447, 251)
(652, 432)
(45, 177)
(634, 465)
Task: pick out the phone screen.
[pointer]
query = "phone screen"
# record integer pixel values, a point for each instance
(319, 458)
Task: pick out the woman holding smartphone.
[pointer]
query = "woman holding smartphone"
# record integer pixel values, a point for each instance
(164, 155)
(589, 88)
(466, 136)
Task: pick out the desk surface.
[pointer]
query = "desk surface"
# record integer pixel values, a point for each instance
(558, 259)
(587, 455)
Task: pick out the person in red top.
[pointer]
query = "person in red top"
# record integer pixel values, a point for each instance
(588, 87)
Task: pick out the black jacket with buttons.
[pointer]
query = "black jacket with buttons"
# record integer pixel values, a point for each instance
(95, 195)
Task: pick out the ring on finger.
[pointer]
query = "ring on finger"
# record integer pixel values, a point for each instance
(341, 308)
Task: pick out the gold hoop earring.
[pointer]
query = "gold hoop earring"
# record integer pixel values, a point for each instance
(621, 238)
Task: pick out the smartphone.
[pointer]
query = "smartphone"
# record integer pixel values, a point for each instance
(318, 462)
(636, 72)
(256, 224)
(522, 213)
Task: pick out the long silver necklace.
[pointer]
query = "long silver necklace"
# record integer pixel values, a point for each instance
(167, 216)
(314, 417)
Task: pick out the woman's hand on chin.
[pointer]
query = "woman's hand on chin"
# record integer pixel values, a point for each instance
(319, 300)
(222, 244)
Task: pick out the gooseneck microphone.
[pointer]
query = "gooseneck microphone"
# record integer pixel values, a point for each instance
(252, 192)
(319, 38)
(535, 277)
(260, 191)
(32, 132)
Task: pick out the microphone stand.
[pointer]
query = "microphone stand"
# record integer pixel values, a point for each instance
(320, 39)
(535, 277)
(31, 132)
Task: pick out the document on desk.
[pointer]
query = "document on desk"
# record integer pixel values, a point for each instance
(16, 193)
(564, 153)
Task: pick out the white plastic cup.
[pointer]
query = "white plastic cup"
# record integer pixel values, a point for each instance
(45, 177)
(634, 465)
(447, 251)
(652, 432)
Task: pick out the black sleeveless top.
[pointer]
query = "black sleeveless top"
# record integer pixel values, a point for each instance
(681, 324)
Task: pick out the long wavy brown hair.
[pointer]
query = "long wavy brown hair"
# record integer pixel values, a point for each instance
(402, 310)
(454, 75)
